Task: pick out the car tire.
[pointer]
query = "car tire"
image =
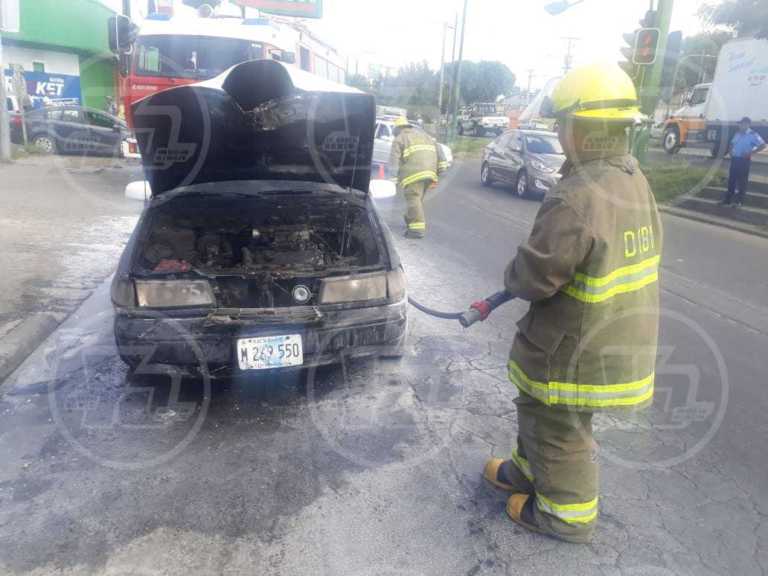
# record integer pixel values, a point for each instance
(479, 131)
(521, 184)
(671, 140)
(45, 143)
(486, 178)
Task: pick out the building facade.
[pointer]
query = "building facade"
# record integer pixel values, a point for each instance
(63, 48)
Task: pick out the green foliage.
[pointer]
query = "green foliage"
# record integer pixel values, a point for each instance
(670, 179)
(416, 87)
(747, 17)
(692, 67)
(482, 81)
(359, 81)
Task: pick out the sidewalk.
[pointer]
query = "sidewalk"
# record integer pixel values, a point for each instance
(63, 223)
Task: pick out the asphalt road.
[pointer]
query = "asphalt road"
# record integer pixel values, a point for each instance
(373, 468)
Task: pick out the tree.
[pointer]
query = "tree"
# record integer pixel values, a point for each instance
(359, 81)
(698, 58)
(747, 17)
(483, 81)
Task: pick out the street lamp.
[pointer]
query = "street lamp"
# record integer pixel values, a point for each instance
(557, 8)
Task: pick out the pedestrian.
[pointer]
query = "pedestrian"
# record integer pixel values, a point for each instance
(743, 144)
(588, 342)
(417, 160)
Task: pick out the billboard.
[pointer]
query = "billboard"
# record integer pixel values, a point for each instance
(47, 89)
(298, 8)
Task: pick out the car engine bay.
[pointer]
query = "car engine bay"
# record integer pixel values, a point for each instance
(259, 250)
(251, 236)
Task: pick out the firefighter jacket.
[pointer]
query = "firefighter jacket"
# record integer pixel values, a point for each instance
(590, 270)
(416, 157)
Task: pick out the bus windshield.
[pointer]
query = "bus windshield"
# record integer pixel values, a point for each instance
(198, 57)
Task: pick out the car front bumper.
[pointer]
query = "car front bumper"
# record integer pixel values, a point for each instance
(208, 343)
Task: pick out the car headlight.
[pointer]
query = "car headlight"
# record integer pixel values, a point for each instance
(173, 293)
(353, 288)
(396, 285)
(122, 292)
(541, 167)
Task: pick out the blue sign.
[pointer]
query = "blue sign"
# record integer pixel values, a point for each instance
(48, 89)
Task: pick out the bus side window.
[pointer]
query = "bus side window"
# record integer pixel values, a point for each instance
(149, 59)
(304, 59)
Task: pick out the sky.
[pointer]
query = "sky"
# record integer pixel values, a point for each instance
(518, 33)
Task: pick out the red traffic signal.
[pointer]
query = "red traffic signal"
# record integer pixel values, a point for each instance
(646, 43)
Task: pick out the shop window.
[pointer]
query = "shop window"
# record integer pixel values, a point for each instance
(38, 67)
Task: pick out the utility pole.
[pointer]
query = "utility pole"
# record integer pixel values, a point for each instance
(449, 106)
(5, 125)
(650, 85)
(457, 78)
(568, 63)
(442, 72)
(127, 8)
(528, 89)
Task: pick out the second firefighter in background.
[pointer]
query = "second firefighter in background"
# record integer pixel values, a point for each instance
(417, 159)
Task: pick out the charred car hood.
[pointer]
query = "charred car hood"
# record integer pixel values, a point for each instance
(260, 120)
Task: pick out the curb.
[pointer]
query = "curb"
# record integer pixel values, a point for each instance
(713, 220)
(23, 340)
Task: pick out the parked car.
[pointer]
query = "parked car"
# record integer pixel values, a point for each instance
(528, 159)
(384, 135)
(256, 250)
(481, 118)
(71, 130)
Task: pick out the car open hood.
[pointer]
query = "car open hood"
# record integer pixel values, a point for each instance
(260, 120)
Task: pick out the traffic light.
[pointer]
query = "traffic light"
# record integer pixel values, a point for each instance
(628, 65)
(646, 42)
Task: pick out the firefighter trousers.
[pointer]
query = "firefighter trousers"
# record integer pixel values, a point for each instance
(556, 461)
(414, 200)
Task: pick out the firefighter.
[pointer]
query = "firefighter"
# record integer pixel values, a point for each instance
(588, 342)
(417, 160)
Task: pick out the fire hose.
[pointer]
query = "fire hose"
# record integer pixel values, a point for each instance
(477, 312)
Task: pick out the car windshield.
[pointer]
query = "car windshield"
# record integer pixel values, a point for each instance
(199, 57)
(543, 144)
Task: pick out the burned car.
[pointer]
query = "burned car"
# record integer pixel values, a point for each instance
(260, 247)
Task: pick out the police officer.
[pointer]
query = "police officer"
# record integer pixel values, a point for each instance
(417, 160)
(743, 144)
(588, 342)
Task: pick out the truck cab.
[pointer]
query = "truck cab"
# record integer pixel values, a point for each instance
(687, 124)
(481, 118)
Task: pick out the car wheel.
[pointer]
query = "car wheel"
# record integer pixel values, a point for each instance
(671, 140)
(485, 175)
(46, 144)
(479, 131)
(521, 185)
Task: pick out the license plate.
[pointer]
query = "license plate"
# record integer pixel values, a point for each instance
(269, 352)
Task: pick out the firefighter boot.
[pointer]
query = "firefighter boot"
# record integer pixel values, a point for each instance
(506, 475)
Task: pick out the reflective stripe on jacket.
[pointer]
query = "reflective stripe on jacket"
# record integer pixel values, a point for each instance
(414, 157)
(590, 269)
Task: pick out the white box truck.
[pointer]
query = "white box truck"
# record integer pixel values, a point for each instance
(712, 111)
(739, 89)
